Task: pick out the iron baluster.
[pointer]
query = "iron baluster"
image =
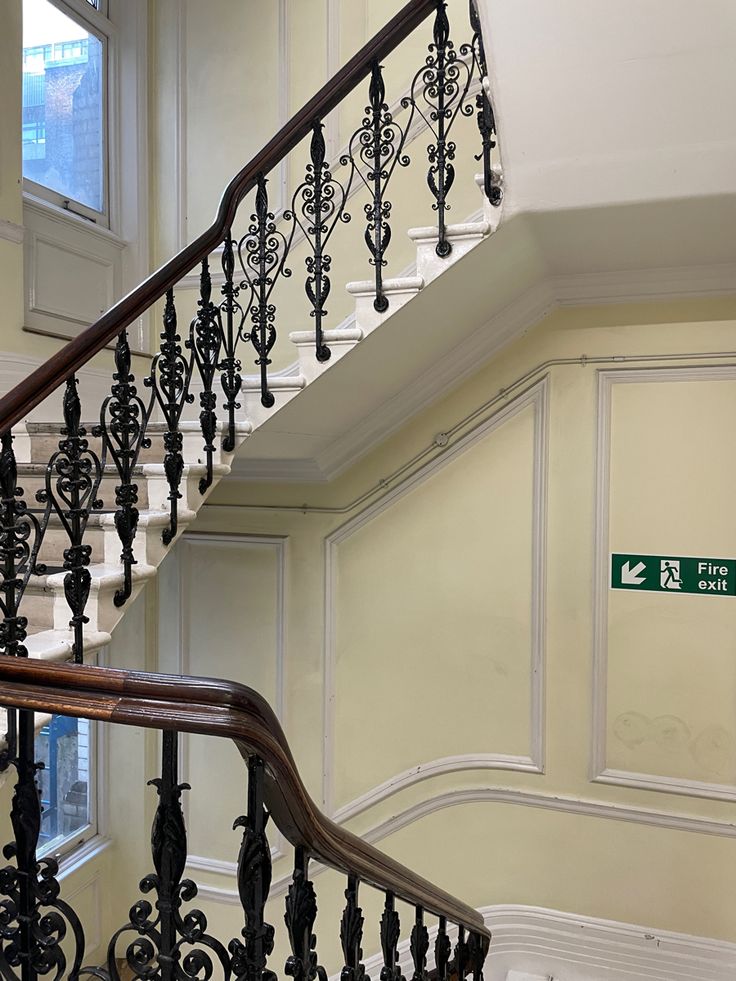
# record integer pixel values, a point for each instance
(301, 912)
(123, 421)
(462, 955)
(351, 935)
(21, 537)
(419, 945)
(317, 206)
(438, 92)
(442, 951)
(169, 946)
(390, 933)
(230, 365)
(205, 341)
(250, 955)
(34, 920)
(477, 954)
(171, 374)
(374, 152)
(484, 108)
(73, 477)
(263, 252)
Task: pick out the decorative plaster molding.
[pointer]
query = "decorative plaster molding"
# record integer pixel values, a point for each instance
(193, 539)
(10, 232)
(600, 772)
(585, 807)
(537, 396)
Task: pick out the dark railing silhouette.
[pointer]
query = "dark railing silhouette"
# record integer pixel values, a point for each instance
(166, 938)
(449, 85)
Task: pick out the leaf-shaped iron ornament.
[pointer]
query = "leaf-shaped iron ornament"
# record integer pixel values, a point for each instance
(301, 912)
(439, 93)
(40, 934)
(390, 934)
(351, 935)
(419, 946)
(170, 945)
(205, 341)
(170, 378)
(484, 109)
(317, 207)
(73, 478)
(249, 956)
(375, 149)
(123, 422)
(263, 252)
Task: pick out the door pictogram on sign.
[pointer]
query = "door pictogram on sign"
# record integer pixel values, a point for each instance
(669, 575)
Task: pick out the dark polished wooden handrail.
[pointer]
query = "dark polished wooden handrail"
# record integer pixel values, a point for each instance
(44, 380)
(220, 708)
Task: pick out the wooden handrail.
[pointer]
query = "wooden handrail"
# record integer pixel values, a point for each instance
(228, 710)
(44, 380)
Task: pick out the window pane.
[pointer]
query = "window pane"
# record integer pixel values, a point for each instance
(63, 121)
(63, 746)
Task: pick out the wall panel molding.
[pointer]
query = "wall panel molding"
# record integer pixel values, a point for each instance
(585, 807)
(537, 397)
(280, 545)
(600, 772)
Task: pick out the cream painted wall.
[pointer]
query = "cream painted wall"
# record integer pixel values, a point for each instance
(427, 603)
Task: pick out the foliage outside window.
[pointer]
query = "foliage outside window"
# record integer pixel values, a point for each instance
(64, 124)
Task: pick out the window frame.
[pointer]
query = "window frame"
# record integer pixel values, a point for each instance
(64, 848)
(95, 21)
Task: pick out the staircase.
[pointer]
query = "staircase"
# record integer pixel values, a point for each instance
(88, 510)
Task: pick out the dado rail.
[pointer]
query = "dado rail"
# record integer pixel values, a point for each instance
(87, 511)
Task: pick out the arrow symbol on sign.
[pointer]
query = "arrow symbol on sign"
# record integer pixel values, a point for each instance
(632, 577)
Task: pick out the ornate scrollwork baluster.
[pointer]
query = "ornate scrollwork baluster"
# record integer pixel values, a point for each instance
(351, 935)
(484, 108)
(439, 92)
(35, 923)
(171, 945)
(249, 957)
(123, 421)
(205, 341)
(374, 152)
(301, 912)
(419, 946)
(317, 206)
(21, 537)
(171, 374)
(263, 252)
(231, 332)
(73, 477)
(442, 951)
(390, 933)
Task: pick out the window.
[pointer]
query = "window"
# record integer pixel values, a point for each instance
(65, 747)
(64, 117)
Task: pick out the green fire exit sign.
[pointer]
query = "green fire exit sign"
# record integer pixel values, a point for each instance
(673, 574)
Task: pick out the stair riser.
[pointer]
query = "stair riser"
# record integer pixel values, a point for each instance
(430, 265)
(31, 483)
(42, 446)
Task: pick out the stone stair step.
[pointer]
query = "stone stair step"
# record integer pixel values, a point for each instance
(339, 342)
(397, 291)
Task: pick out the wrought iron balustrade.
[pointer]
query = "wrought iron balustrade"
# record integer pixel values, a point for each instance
(165, 937)
(202, 362)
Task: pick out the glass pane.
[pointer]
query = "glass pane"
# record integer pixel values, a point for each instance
(63, 123)
(63, 746)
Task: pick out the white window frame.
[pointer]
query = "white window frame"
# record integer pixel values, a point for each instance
(121, 240)
(95, 22)
(72, 843)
